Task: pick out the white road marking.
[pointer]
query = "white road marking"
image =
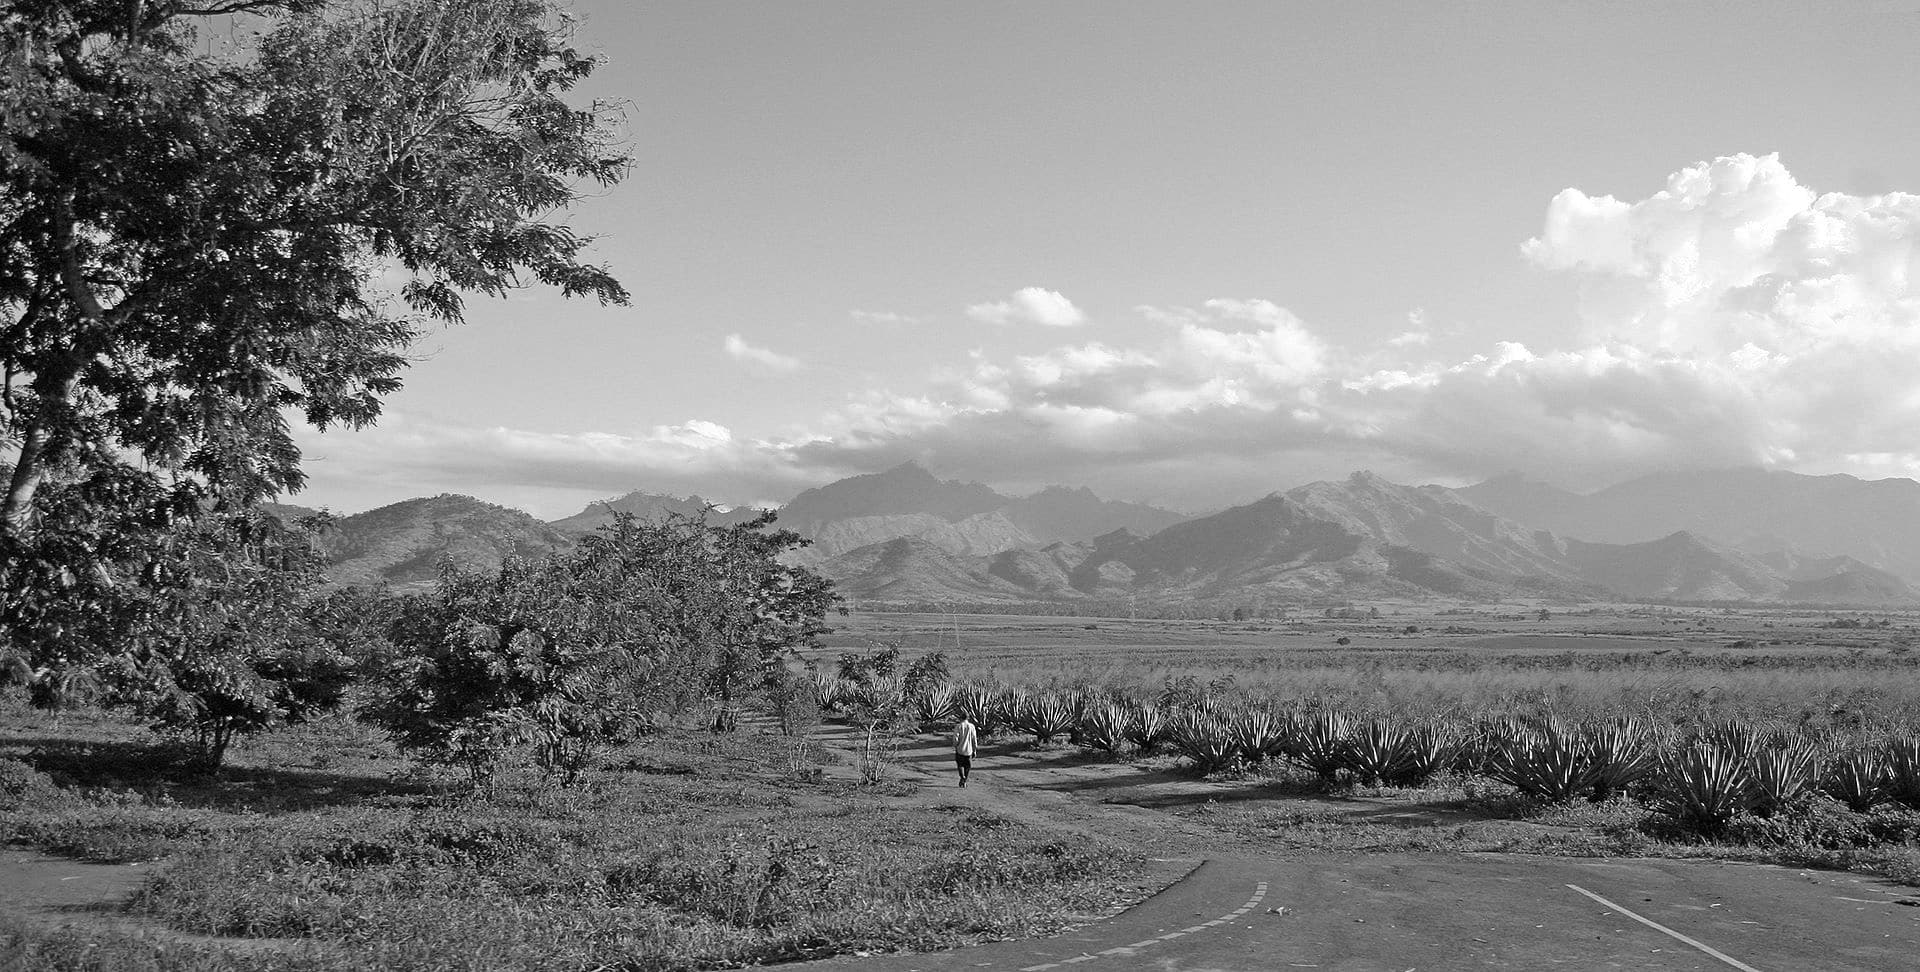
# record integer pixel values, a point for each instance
(1259, 892)
(1664, 930)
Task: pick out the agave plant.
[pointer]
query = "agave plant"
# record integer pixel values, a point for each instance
(1045, 716)
(1857, 779)
(1318, 742)
(1703, 786)
(1903, 771)
(988, 707)
(1737, 738)
(1781, 771)
(1146, 726)
(1549, 762)
(1259, 733)
(1375, 751)
(1424, 752)
(1621, 754)
(935, 705)
(829, 690)
(1204, 738)
(1103, 726)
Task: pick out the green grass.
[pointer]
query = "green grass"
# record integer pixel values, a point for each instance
(1683, 666)
(691, 851)
(1278, 809)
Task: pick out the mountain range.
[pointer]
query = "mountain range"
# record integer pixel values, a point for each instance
(906, 536)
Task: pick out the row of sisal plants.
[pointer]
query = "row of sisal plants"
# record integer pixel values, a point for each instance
(1703, 778)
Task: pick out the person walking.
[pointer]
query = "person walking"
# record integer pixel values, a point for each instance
(965, 740)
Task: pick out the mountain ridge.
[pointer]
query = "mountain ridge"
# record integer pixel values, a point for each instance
(1361, 537)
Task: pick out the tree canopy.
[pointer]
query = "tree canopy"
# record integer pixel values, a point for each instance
(571, 653)
(201, 246)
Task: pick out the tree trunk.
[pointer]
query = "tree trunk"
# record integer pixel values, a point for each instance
(53, 388)
(16, 509)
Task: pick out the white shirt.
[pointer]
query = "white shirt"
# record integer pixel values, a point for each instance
(964, 739)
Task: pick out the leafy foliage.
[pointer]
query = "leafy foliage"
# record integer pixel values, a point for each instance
(192, 244)
(577, 652)
(233, 635)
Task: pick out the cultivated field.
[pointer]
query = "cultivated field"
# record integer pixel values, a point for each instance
(1803, 667)
(322, 847)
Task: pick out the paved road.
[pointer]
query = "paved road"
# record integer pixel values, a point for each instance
(1242, 910)
(1393, 913)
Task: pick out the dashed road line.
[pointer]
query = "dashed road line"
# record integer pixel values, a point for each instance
(1259, 893)
(1656, 926)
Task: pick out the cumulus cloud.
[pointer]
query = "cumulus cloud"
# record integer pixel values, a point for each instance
(1733, 317)
(885, 317)
(1803, 302)
(738, 349)
(550, 474)
(1030, 305)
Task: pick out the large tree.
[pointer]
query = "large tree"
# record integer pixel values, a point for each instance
(204, 241)
(643, 619)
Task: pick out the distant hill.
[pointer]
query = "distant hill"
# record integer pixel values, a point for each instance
(646, 506)
(910, 569)
(978, 535)
(1435, 521)
(402, 545)
(1362, 537)
(928, 540)
(961, 518)
(1681, 566)
(1876, 522)
(1280, 548)
(288, 512)
(906, 488)
(1064, 513)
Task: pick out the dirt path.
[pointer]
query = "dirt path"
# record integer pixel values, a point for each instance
(1242, 909)
(60, 892)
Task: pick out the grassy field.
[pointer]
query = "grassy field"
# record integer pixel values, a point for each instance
(322, 848)
(1795, 666)
(690, 851)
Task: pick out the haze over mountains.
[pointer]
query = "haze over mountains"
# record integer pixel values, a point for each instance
(906, 536)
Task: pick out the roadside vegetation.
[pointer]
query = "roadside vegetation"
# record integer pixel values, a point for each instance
(1594, 745)
(325, 849)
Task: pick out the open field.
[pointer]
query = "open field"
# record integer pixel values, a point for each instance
(321, 849)
(1796, 666)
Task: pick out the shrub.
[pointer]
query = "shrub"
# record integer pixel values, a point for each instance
(1317, 741)
(1425, 751)
(24, 788)
(1046, 715)
(1622, 754)
(1857, 779)
(1375, 751)
(1903, 771)
(935, 705)
(1103, 726)
(1780, 772)
(1204, 738)
(1259, 733)
(1147, 726)
(1548, 762)
(1703, 787)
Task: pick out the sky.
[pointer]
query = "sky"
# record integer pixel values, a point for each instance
(1191, 254)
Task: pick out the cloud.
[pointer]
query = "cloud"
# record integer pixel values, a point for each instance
(1733, 317)
(550, 474)
(738, 348)
(1030, 305)
(885, 317)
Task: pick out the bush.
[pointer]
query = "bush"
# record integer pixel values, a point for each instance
(24, 788)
